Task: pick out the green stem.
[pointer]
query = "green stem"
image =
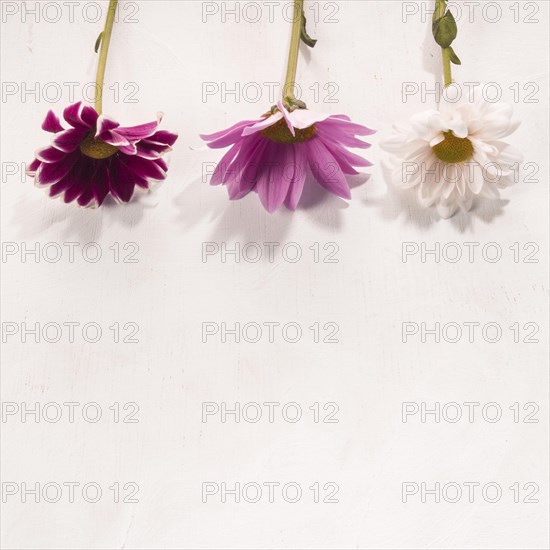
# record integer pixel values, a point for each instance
(447, 76)
(102, 63)
(292, 67)
(441, 8)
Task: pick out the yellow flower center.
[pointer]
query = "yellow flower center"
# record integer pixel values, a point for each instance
(97, 148)
(279, 133)
(453, 149)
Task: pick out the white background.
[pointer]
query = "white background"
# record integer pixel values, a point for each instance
(368, 51)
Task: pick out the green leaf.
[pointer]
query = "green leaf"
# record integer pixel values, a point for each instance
(98, 42)
(454, 58)
(304, 35)
(445, 30)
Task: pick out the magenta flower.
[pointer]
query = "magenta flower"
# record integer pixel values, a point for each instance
(272, 155)
(96, 156)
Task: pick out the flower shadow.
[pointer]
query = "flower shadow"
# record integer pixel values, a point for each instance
(72, 222)
(244, 220)
(403, 203)
(247, 220)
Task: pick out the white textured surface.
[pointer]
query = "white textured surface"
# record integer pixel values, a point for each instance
(369, 292)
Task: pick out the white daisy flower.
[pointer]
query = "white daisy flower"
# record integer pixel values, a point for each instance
(454, 154)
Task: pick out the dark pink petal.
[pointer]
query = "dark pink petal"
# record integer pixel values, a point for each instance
(33, 167)
(112, 137)
(130, 149)
(101, 182)
(278, 168)
(50, 154)
(105, 124)
(161, 164)
(222, 133)
(69, 140)
(299, 178)
(326, 170)
(89, 116)
(72, 193)
(146, 169)
(124, 180)
(51, 123)
(163, 137)
(148, 150)
(52, 173)
(76, 179)
(87, 197)
(72, 114)
(133, 133)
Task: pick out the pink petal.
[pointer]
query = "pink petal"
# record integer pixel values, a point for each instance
(224, 164)
(278, 167)
(286, 114)
(297, 184)
(221, 133)
(304, 118)
(263, 124)
(326, 170)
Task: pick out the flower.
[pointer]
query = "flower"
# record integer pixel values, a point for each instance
(451, 155)
(271, 155)
(96, 156)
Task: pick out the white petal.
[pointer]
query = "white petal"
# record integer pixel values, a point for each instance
(427, 125)
(447, 209)
(437, 140)
(475, 178)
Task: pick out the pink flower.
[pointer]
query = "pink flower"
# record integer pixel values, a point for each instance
(96, 156)
(272, 155)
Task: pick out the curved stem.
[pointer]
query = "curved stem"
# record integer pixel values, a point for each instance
(441, 8)
(292, 67)
(102, 63)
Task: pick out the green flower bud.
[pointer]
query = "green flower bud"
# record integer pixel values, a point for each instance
(444, 29)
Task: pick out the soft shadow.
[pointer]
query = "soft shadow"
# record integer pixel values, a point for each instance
(72, 222)
(246, 219)
(403, 203)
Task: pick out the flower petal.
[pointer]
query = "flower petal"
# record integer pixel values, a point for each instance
(297, 183)
(105, 124)
(50, 154)
(263, 124)
(54, 172)
(69, 140)
(278, 168)
(285, 113)
(304, 118)
(51, 123)
(326, 170)
(240, 125)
